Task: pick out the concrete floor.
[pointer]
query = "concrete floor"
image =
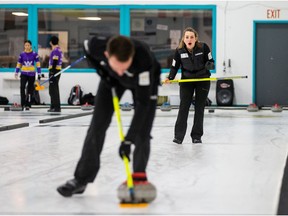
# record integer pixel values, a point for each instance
(236, 170)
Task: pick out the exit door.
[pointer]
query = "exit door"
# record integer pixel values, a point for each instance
(271, 72)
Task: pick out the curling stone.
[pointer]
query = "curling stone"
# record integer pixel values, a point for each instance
(87, 106)
(16, 107)
(166, 106)
(144, 192)
(276, 108)
(126, 107)
(252, 108)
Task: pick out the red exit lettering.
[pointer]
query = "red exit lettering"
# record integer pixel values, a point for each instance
(273, 14)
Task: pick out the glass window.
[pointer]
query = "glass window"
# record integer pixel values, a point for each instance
(73, 26)
(13, 33)
(162, 29)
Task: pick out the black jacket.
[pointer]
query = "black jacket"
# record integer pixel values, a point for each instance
(193, 65)
(142, 77)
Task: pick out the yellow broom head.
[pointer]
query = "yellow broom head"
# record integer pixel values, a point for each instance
(38, 86)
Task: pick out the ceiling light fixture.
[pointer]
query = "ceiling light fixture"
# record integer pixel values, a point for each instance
(90, 18)
(19, 14)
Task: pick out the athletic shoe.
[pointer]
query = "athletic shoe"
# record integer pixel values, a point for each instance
(25, 108)
(71, 187)
(177, 141)
(194, 140)
(54, 110)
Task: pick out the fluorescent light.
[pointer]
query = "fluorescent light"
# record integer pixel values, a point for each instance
(19, 14)
(90, 18)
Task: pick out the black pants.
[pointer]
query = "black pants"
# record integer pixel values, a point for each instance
(26, 99)
(89, 163)
(54, 92)
(187, 90)
(283, 198)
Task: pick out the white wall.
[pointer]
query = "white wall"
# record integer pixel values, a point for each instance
(234, 41)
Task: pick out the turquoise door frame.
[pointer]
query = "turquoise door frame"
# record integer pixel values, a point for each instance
(254, 51)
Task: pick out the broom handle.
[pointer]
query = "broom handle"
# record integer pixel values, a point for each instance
(66, 68)
(205, 79)
(130, 184)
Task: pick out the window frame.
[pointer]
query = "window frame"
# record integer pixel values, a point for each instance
(176, 7)
(125, 20)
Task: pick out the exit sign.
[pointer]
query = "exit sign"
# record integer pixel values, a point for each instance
(273, 13)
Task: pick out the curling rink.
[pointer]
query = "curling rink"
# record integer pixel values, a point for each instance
(237, 170)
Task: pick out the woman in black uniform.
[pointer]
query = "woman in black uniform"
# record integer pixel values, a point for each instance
(124, 64)
(195, 59)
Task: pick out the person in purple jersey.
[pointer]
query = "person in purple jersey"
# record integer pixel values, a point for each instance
(55, 66)
(26, 66)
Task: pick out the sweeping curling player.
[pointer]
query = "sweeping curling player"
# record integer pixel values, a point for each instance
(130, 195)
(40, 87)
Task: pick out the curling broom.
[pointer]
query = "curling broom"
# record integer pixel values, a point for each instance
(40, 87)
(135, 201)
(130, 184)
(204, 79)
